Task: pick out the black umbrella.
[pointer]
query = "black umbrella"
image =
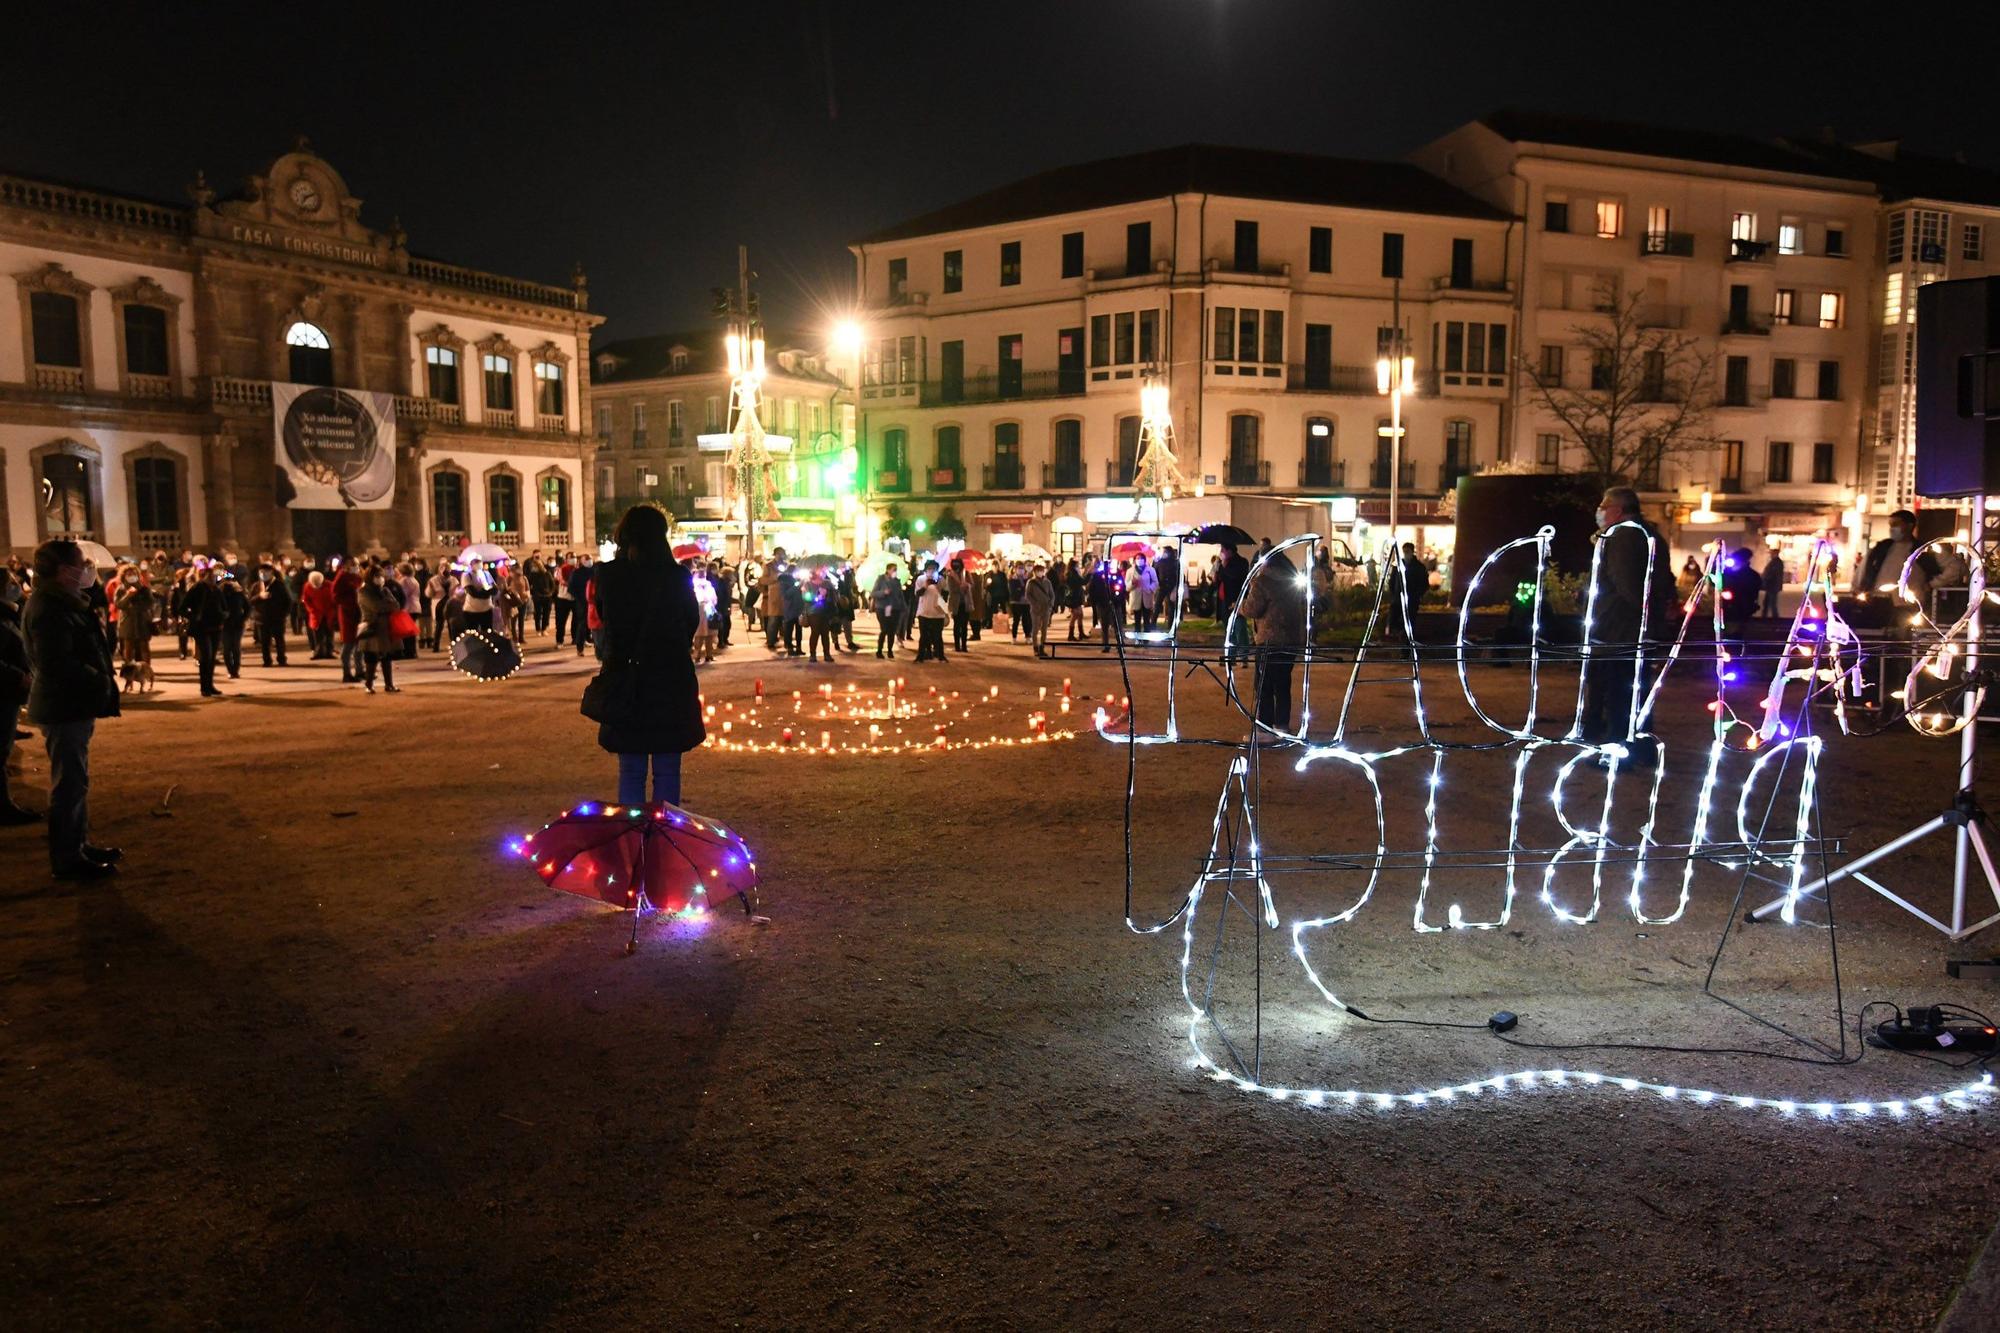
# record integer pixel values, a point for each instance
(484, 655)
(1220, 534)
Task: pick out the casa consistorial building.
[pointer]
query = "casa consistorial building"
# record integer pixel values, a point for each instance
(1005, 338)
(262, 371)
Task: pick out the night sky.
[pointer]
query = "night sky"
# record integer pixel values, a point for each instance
(649, 140)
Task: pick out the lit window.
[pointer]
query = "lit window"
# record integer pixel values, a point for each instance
(441, 369)
(1829, 310)
(303, 334)
(1784, 305)
(680, 358)
(549, 389)
(1743, 227)
(1892, 299)
(1791, 237)
(1610, 218)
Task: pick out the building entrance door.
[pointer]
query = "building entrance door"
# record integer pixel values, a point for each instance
(320, 533)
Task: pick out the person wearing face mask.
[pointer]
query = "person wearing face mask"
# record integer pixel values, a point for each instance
(14, 678)
(73, 686)
(1627, 608)
(1876, 575)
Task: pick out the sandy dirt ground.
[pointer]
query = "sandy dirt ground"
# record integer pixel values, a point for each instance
(325, 1057)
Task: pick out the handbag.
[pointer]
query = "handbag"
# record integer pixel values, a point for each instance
(402, 625)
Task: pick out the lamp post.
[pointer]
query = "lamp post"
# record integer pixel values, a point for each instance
(850, 341)
(1156, 472)
(1396, 377)
(748, 465)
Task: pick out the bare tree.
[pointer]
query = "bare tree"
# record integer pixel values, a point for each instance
(1649, 395)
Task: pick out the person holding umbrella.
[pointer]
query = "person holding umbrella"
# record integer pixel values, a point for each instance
(644, 697)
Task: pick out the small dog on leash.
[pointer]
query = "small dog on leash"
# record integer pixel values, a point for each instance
(137, 676)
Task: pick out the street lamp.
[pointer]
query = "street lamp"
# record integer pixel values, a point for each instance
(1396, 379)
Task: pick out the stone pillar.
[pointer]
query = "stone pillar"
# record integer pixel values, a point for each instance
(218, 466)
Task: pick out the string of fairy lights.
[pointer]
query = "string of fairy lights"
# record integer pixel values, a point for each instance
(1829, 667)
(893, 720)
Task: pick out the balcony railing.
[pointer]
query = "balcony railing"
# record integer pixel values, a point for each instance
(1746, 324)
(1330, 379)
(226, 392)
(1749, 252)
(947, 478)
(1459, 282)
(1730, 486)
(1062, 476)
(59, 379)
(1324, 472)
(638, 437)
(893, 480)
(1249, 472)
(500, 417)
(554, 424)
(509, 540)
(429, 409)
(1119, 473)
(1677, 243)
(555, 539)
(450, 538)
(149, 386)
(162, 540)
(1378, 476)
(1003, 476)
(1001, 388)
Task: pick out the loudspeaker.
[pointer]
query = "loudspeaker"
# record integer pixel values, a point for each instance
(1958, 388)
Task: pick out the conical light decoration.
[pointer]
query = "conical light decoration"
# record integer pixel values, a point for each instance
(751, 487)
(1156, 473)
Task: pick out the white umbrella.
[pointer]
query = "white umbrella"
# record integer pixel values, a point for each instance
(96, 554)
(486, 551)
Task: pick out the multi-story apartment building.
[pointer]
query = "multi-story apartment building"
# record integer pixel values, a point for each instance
(152, 357)
(1937, 218)
(1005, 338)
(1761, 253)
(657, 397)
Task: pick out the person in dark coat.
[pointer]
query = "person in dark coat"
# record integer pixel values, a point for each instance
(1623, 616)
(1408, 582)
(1168, 570)
(1275, 605)
(647, 610)
(14, 679)
(72, 686)
(579, 598)
(375, 632)
(347, 615)
(1229, 580)
(272, 603)
(887, 601)
(235, 615)
(202, 609)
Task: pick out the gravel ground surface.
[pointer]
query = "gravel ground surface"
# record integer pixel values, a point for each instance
(324, 1057)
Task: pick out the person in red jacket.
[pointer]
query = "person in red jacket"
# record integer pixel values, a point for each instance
(317, 598)
(347, 611)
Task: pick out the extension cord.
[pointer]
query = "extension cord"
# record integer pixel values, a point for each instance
(1926, 1029)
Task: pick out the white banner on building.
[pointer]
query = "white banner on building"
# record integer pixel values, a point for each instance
(336, 448)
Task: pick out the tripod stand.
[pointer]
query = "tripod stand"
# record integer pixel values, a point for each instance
(1964, 817)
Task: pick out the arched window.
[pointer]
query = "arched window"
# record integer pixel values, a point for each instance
(1319, 468)
(1126, 467)
(503, 504)
(1066, 471)
(554, 500)
(448, 502)
(311, 354)
(1246, 451)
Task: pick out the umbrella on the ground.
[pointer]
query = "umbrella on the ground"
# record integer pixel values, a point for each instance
(1126, 550)
(487, 551)
(1220, 534)
(484, 655)
(655, 856)
(96, 554)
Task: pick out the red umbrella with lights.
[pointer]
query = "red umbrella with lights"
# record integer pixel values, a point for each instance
(690, 551)
(656, 856)
(1129, 550)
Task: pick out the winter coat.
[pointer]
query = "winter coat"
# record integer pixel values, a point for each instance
(975, 593)
(201, 608)
(318, 601)
(649, 614)
(1276, 605)
(790, 599)
(346, 610)
(1041, 598)
(771, 598)
(1621, 589)
(135, 616)
(887, 597)
(372, 633)
(931, 601)
(73, 680)
(821, 601)
(14, 669)
(273, 603)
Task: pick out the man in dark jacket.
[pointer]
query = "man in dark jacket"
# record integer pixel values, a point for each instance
(235, 614)
(73, 685)
(272, 602)
(579, 600)
(1623, 616)
(1229, 581)
(14, 678)
(203, 611)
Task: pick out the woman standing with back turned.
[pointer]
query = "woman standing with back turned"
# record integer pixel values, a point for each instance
(647, 707)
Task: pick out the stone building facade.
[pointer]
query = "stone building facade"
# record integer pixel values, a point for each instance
(142, 343)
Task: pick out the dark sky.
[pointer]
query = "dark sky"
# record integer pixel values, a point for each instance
(648, 140)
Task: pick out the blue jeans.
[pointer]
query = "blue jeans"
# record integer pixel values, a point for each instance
(68, 745)
(632, 778)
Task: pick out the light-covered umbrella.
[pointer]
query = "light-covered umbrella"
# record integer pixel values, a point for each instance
(486, 551)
